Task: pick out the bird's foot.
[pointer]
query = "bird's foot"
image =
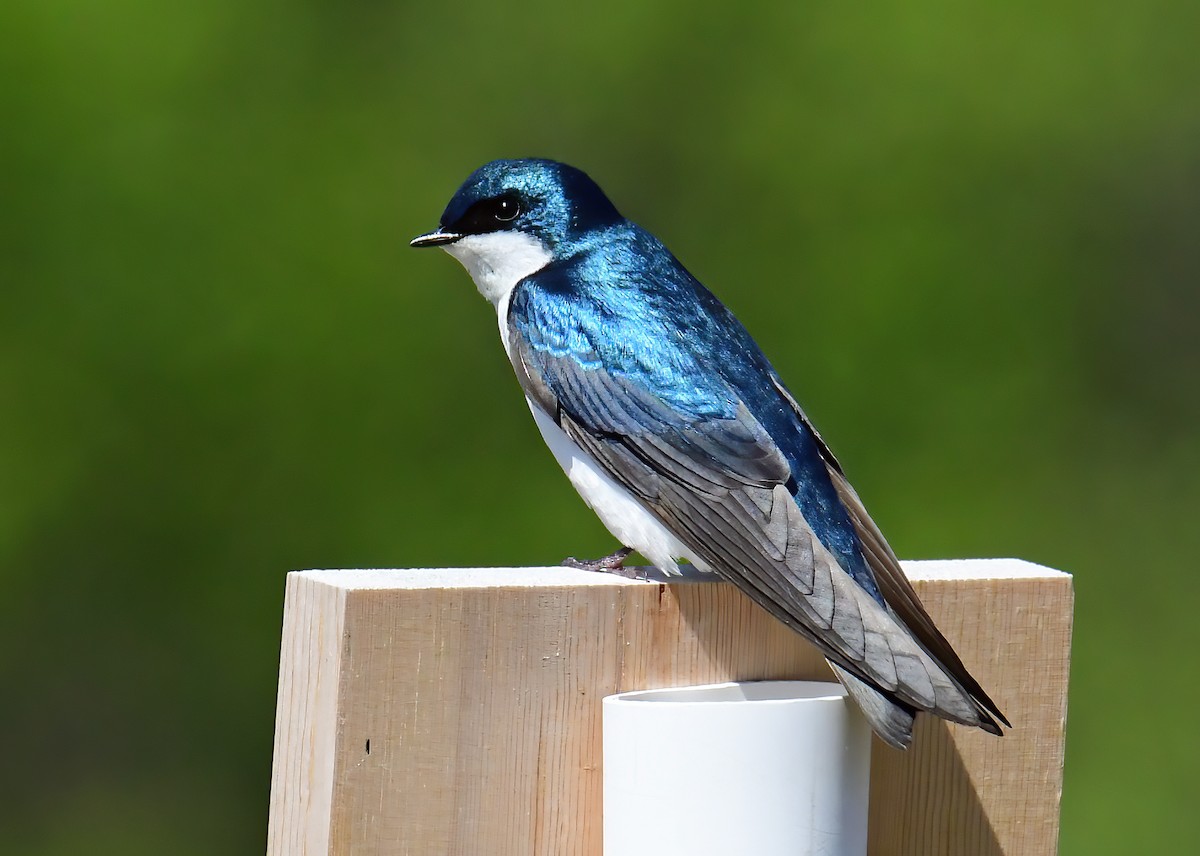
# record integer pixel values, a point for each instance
(610, 564)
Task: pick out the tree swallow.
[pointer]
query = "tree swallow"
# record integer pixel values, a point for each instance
(679, 434)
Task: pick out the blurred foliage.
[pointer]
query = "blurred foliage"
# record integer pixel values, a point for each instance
(966, 235)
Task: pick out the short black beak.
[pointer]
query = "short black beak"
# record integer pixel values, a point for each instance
(434, 239)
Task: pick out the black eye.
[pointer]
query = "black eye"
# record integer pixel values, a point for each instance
(490, 214)
(506, 209)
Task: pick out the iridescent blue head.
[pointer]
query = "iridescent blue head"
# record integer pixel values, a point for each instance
(550, 201)
(510, 218)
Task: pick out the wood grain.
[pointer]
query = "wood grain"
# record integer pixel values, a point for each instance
(306, 719)
(457, 712)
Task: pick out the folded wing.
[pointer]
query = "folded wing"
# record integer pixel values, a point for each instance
(708, 470)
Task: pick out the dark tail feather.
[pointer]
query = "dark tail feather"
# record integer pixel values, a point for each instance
(891, 720)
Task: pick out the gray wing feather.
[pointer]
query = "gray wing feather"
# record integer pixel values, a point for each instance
(902, 599)
(718, 485)
(891, 721)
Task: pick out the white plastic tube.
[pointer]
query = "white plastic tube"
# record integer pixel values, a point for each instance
(770, 768)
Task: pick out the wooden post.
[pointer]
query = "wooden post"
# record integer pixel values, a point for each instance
(456, 712)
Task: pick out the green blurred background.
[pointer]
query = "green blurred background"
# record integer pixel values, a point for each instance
(966, 236)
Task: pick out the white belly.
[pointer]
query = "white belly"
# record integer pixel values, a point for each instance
(618, 510)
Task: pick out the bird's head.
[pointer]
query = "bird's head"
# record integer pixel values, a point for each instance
(511, 218)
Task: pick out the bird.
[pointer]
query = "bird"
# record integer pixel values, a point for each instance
(680, 435)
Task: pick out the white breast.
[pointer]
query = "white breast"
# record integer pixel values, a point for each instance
(497, 262)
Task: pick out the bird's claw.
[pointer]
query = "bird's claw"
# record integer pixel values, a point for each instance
(613, 563)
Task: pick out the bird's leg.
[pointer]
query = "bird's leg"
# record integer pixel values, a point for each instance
(613, 563)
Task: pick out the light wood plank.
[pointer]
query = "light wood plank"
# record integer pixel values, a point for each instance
(479, 693)
(306, 719)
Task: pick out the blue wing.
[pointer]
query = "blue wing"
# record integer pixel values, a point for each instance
(691, 365)
(663, 387)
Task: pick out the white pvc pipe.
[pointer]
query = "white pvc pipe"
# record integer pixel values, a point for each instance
(770, 768)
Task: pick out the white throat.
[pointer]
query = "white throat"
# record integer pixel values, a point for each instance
(497, 261)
